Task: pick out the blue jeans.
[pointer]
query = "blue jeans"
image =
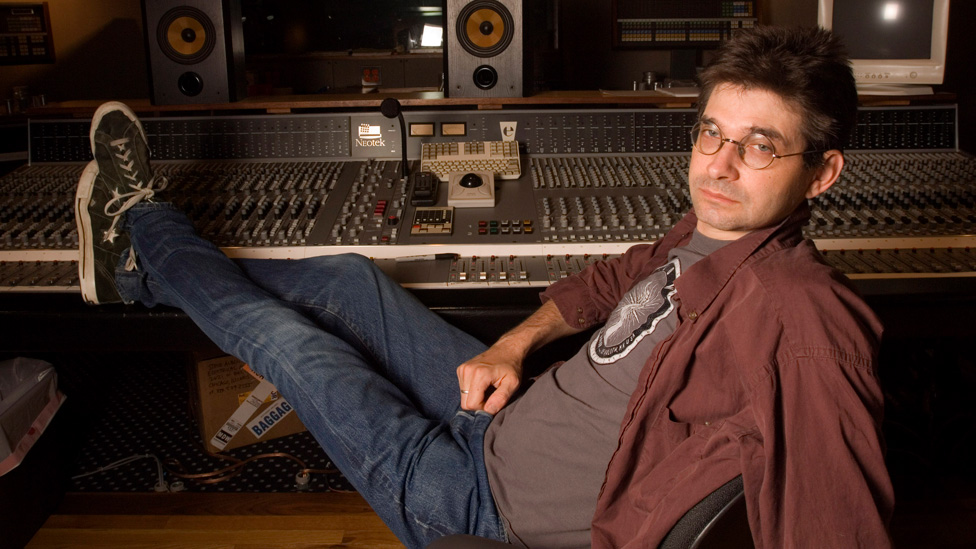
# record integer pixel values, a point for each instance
(368, 368)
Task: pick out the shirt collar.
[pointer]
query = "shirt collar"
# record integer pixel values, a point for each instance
(700, 284)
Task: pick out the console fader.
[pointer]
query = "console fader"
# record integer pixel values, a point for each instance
(593, 184)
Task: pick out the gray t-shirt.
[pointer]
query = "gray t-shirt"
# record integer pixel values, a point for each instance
(547, 452)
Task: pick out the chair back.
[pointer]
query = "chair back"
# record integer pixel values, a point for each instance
(717, 522)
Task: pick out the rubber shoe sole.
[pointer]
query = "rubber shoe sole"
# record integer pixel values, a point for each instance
(98, 258)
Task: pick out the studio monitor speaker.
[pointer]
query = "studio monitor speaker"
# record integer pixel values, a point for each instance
(195, 50)
(484, 50)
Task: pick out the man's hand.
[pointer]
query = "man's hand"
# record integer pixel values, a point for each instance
(488, 380)
(498, 368)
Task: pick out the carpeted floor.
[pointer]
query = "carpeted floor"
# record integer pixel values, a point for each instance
(133, 431)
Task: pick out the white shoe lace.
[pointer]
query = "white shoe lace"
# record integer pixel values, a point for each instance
(122, 202)
(130, 262)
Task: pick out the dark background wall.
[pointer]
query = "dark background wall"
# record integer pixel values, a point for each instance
(101, 55)
(100, 52)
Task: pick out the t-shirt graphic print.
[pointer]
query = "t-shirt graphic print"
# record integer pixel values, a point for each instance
(637, 315)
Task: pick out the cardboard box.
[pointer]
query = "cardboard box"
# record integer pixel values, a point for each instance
(235, 407)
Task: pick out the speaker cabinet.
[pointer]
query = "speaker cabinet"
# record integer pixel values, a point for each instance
(195, 50)
(484, 49)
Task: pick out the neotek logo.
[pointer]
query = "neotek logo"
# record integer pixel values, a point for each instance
(370, 136)
(369, 132)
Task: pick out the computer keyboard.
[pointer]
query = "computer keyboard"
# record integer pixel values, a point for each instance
(501, 158)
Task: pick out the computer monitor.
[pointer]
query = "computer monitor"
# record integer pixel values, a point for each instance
(432, 36)
(897, 47)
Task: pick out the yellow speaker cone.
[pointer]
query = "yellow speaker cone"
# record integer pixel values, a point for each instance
(186, 35)
(485, 28)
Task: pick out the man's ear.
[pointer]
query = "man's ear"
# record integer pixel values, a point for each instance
(825, 175)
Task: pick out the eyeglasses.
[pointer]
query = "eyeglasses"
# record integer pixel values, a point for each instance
(756, 150)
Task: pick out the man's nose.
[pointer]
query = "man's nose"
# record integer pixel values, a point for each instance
(724, 164)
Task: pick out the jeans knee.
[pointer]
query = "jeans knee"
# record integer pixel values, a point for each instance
(348, 268)
(357, 262)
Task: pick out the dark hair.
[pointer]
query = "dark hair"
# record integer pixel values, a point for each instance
(807, 67)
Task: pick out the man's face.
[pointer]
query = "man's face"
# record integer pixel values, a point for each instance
(732, 199)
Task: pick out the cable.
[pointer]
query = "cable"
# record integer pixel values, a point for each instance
(302, 477)
(175, 469)
(161, 485)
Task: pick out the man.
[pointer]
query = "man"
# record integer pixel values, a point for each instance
(771, 371)
(726, 348)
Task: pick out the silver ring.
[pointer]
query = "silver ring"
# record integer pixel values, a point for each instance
(463, 392)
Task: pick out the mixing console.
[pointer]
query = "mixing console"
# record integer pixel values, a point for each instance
(895, 214)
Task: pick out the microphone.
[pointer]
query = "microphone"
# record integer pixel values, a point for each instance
(390, 108)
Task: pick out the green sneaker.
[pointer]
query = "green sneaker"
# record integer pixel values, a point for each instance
(120, 177)
(98, 256)
(121, 149)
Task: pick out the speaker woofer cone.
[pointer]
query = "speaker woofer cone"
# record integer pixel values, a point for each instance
(485, 28)
(186, 35)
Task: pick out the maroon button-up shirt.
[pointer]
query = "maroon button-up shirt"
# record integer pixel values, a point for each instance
(771, 373)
